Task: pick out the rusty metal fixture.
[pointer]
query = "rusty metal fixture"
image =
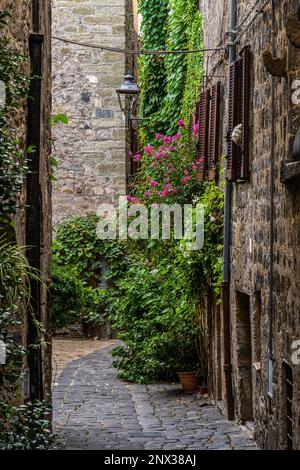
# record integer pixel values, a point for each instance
(275, 66)
(293, 29)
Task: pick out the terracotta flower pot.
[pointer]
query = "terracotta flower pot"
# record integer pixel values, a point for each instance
(203, 390)
(189, 381)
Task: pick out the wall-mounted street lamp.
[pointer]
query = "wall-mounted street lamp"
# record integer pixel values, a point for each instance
(128, 95)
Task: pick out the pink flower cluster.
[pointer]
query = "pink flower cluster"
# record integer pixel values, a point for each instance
(133, 199)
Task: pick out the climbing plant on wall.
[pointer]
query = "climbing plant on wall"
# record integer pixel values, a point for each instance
(152, 69)
(170, 84)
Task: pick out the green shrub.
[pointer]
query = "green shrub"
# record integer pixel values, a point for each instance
(66, 297)
(156, 321)
(95, 305)
(25, 427)
(76, 244)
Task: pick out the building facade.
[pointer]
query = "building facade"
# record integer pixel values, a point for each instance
(256, 375)
(91, 150)
(31, 37)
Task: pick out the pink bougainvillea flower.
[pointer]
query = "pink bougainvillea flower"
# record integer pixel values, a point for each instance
(175, 191)
(186, 179)
(186, 172)
(167, 139)
(133, 199)
(153, 183)
(153, 165)
(137, 157)
(147, 193)
(176, 136)
(182, 124)
(159, 136)
(196, 129)
(165, 192)
(149, 149)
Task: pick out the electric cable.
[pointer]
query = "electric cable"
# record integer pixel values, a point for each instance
(138, 52)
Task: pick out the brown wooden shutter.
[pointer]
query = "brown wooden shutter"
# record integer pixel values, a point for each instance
(233, 151)
(214, 132)
(204, 107)
(191, 144)
(245, 111)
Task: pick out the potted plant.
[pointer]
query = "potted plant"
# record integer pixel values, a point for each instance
(187, 369)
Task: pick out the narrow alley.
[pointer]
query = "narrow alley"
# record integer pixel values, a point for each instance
(93, 409)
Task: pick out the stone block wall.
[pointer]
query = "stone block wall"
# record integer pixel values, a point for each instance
(251, 204)
(91, 149)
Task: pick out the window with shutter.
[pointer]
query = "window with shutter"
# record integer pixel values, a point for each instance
(243, 170)
(204, 107)
(233, 150)
(214, 132)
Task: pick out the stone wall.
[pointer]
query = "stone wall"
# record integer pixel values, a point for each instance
(31, 16)
(91, 149)
(251, 204)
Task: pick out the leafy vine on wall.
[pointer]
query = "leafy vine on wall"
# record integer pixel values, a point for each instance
(170, 84)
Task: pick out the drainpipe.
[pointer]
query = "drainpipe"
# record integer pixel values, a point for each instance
(227, 244)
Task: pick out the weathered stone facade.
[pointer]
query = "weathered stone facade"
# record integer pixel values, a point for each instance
(31, 22)
(264, 320)
(91, 150)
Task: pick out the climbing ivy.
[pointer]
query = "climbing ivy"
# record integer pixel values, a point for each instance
(170, 84)
(152, 68)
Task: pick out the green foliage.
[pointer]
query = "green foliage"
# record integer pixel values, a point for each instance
(12, 156)
(157, 305)
(203, 267)
(194, 68)
(152, 69)
(15, 277)
(180, 31)
(25, 427)
(95, 305)
(82, 263)
(170, 84)
(66, 297)
(76, 244)
(156, 321)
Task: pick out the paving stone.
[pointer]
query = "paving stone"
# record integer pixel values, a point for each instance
(93, 409)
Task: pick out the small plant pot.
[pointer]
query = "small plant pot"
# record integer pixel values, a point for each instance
(189, 381)
(203, 390)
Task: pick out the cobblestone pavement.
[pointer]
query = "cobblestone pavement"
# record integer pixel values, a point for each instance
(93, 409)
